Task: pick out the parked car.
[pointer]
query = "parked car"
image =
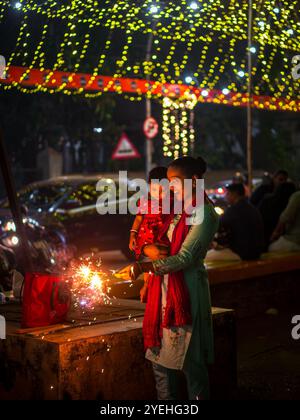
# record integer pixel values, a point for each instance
(217, 192)
(67, 207)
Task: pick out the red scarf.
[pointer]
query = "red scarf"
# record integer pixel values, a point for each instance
(178, 311)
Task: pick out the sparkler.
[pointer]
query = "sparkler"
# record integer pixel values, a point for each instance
(88, 283)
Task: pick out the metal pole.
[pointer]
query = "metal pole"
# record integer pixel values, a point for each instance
(148, 103)
(249, 104)
(148, 141)
(14, 205)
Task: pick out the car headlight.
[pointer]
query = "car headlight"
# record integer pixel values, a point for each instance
(219, 211)
(11, 241)
(9, 226)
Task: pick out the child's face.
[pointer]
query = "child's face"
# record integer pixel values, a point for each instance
(157, 191)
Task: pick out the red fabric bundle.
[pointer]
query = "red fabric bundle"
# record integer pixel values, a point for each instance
(46, 300)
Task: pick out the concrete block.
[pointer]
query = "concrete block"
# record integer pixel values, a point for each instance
(103, 361)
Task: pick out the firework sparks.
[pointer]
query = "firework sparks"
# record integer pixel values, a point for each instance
(88, 283)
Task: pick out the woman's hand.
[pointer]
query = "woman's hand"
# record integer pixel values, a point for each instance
(125, 273)
(133, 271)
(156, 252)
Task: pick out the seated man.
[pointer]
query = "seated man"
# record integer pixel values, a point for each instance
(268, 186)
(272, 206)
(286, 236)
(243, 227)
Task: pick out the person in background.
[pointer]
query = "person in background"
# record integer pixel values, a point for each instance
(146, 226)
(268, 186)
(241, 231)
(240, 178)
(272, 205)
(286, 236)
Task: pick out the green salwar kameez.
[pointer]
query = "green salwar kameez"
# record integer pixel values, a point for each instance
(199, 352)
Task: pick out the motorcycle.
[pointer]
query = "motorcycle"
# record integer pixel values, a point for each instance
(7, 265)
(11, 281)
(48, 247)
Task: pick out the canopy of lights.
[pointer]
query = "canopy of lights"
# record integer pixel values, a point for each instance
(180, 52)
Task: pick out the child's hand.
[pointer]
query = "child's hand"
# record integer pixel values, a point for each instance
(156, 252)
(143, 293)
(132, 242)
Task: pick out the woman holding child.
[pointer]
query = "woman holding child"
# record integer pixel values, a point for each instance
(177, 327)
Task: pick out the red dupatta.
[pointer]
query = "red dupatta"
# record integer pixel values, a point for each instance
(178, 310)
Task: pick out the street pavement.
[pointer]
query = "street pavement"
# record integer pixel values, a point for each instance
(268, 357)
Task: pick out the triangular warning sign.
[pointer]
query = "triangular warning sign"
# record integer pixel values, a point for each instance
(125, 149)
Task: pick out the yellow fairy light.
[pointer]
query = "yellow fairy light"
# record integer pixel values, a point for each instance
(208, 42)
(178, 129)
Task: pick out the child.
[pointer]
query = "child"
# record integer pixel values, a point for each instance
(146, 226)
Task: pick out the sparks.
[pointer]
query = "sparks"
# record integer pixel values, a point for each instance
(89, 284)
(85, 271)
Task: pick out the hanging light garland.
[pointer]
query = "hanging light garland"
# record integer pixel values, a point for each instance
(206, 40)
(178, 125)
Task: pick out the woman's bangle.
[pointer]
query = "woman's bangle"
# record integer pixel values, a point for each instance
(138, 268)
(136, 271)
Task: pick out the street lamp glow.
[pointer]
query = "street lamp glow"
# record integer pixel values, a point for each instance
(98, 130)
(241, 73)
(276, 10)
(253, 50)
(154, 9)
(188, 80)
(18, 5)
(225, 91)
(194, 5)
(204, 93)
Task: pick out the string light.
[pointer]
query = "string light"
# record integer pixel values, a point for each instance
(192, 41)
(178, 128)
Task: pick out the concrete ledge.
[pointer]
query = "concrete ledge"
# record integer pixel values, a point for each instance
(250, 288)
(96, 362)
(224, 272)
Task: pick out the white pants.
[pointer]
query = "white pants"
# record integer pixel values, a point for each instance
(225, 254)
(283, 244)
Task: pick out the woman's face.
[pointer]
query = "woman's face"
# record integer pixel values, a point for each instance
(176, 177)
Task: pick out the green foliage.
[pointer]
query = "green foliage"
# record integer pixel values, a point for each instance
(48, 117)
(221, 138)
(273, 143)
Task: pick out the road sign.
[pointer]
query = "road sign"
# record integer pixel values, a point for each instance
(125, 149)
(150, 128)
(2, 67)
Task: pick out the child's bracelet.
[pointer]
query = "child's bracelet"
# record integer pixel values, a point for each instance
(134, 231)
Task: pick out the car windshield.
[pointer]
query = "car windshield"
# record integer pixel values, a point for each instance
(40, 196)
(86, 194)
